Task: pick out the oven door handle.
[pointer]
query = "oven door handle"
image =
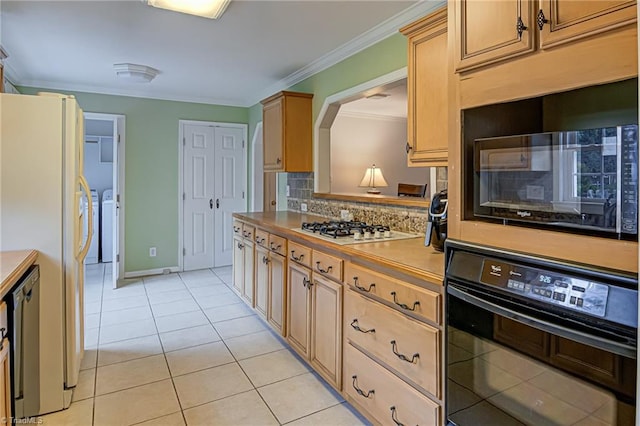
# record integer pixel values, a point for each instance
(578, 336)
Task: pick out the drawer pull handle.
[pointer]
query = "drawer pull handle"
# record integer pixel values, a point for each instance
(412, 360)
(402, 305)
(355, 326)
(3, 334)
(236, 229)
(324, 271)
(275, 248)
(265, 260)
(359, 287)
(360, 391)
(293, 256)
(394, 417)
(306, 282)
(259, 240)
(246, 234)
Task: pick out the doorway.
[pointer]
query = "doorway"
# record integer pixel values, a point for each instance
(212, 186)
(104, 136)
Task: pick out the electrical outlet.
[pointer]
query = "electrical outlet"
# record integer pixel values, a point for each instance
(344, 214)
(288, 191)
(303, 207)
(152, 252)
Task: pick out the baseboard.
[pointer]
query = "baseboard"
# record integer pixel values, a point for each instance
(157, 271)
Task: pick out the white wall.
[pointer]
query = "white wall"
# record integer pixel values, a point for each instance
(357, 142)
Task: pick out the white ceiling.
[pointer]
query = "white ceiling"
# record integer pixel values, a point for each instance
(257, 48)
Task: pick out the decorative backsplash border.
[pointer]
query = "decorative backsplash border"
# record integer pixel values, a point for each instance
(399, 218)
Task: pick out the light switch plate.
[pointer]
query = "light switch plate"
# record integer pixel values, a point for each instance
(303, 207)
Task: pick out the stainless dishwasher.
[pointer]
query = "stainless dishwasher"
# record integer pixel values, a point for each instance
(25, 318)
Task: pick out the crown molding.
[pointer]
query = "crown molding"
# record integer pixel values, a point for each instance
(129, 93)
(369, 116)
(372, 36)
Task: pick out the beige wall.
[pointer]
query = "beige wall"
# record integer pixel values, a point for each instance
(358, 142)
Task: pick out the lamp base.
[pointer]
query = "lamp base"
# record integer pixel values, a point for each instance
(373, 191)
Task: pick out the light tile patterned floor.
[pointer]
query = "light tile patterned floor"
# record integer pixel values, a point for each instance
(184, 349)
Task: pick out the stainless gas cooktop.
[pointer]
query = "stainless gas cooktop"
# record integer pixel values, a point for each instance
(352, 232)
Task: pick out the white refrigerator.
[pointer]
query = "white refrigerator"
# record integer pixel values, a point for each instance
(41, 191)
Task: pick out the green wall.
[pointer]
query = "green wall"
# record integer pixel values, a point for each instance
(151, 168)
(151, 154)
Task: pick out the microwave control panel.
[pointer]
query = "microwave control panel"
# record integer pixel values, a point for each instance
(560, 290)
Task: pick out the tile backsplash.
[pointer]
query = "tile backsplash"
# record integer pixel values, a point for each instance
(400, 218)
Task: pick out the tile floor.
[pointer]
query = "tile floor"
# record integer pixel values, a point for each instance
(184, 349)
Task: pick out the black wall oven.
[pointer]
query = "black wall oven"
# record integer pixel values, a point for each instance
(535, 341)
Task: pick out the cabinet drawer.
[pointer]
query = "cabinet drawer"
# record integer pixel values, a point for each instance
(278, 244)
(262, 237)
(248, 231)
(300, 254)
(405, 297)
(237, 227)
(378, 391)
(404, 344)
(327, 265)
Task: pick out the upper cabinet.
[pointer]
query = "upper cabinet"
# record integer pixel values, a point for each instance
(287, 129)
(491, 31)
(427, 90)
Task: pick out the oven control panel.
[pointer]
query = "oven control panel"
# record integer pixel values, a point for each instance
(561, 290)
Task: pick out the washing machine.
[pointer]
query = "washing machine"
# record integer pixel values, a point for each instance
(107, 226)
(92, 254)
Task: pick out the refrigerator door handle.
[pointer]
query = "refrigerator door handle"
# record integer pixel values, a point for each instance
(82, 252)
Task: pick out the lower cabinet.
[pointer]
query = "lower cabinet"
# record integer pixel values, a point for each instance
(299, 308)
(243, 264)
(326, 329)
(314, 321)
(248, 281)
(385, 397)
(262, 280)
(276, 295)
(238, 264)
(5, 368)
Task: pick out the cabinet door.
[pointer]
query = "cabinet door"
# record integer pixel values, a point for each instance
(572, 20)
(427, 86)
(299, 308)
(277, 288)
(248, 287)
(326, 329)
(270, 192)
(5, 381)
(238, 265)
(273, 136)
(487, 31)
(262, 280)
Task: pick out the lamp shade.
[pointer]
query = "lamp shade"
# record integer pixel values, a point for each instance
(373, 179)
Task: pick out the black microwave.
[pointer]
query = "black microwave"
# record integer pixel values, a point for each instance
(584, 181)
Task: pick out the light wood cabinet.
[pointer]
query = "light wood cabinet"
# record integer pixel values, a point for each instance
(568, 20)
(385, 397)
(326, 329)
(287, 132)
(243, 261)
(427, 90)
(262, 280)
(314, 310)
(277, 292)
(299, 308)
(5, 380)
(270, 195)
(493, 31)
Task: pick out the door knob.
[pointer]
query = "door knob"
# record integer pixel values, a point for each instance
(217, 203)
(211, 203)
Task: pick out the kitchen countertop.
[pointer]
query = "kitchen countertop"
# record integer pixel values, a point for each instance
(408, 256)
(13, 264)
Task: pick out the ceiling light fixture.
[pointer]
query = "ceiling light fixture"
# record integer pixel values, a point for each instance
(212, 9)
(135, 73)
(378, 96)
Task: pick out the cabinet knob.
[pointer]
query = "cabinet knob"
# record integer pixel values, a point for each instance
(541, 20)
(273, 202)
(520, 26)
(278, 161)
(408, 147)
